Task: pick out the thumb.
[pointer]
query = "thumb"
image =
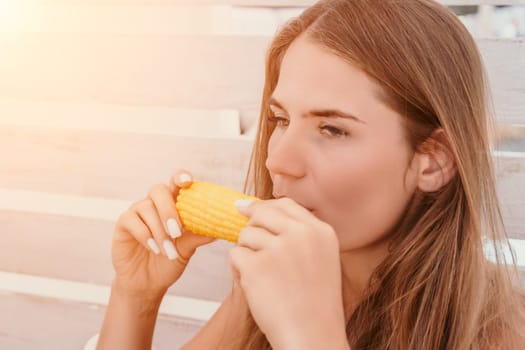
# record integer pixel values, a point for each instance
(181, 178)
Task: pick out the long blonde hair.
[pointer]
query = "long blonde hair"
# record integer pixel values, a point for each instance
(435, 290)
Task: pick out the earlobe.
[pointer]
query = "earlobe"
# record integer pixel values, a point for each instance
(437, 165)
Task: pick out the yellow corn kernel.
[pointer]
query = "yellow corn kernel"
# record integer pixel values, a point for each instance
(209, 210)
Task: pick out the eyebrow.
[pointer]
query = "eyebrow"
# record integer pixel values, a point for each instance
(328, 113)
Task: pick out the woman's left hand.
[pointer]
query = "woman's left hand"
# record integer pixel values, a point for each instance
(287, 264)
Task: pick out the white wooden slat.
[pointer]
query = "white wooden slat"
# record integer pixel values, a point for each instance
(155, 70)
(197, 72)
(120, 118)
(79, 250)
(518, 250)
(30, 322)
(504, 61)
(193, 309)
(114, 165)
(507, 134)
(510, 171)
(107, 209)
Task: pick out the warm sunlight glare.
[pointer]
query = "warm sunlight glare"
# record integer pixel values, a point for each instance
(14, 14)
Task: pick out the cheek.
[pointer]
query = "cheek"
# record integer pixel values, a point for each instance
(365, 196)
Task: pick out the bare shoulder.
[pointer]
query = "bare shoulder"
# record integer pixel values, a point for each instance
(222, 325)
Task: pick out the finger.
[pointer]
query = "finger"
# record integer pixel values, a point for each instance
(147, 212)
(164, 203)
(163, 200)
(285, 205)
(273, 219)
(291, 207)
(181, 178)
(255, 238)
(136, 229)
(240, 260)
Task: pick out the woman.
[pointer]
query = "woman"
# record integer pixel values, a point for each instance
(373, 156)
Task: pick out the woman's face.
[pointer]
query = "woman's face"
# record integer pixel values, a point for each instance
(351, 171)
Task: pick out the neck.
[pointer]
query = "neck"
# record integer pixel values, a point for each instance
(357, 267)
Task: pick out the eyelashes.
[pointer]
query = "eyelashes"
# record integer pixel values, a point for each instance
(332, 130)
(325, 128)
(278, 121)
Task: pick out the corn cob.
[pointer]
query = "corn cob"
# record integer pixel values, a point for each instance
(209, 210)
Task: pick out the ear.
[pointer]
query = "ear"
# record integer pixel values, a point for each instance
(435, 162)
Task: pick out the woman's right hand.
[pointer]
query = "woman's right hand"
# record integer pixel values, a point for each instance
(146, 258)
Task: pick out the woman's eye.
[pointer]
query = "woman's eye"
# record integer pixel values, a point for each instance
(332, 131)
(279, 121)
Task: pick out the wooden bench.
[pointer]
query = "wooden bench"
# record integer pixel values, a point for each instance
(94, 111)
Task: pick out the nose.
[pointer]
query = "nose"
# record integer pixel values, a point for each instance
(286, 154)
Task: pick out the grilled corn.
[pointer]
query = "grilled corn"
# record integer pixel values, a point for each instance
(209, 210)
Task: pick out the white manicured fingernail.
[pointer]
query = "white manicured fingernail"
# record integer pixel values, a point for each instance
(173, 228)
(153, 246)
(184, 178)
(242, 203)
(169, 248)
